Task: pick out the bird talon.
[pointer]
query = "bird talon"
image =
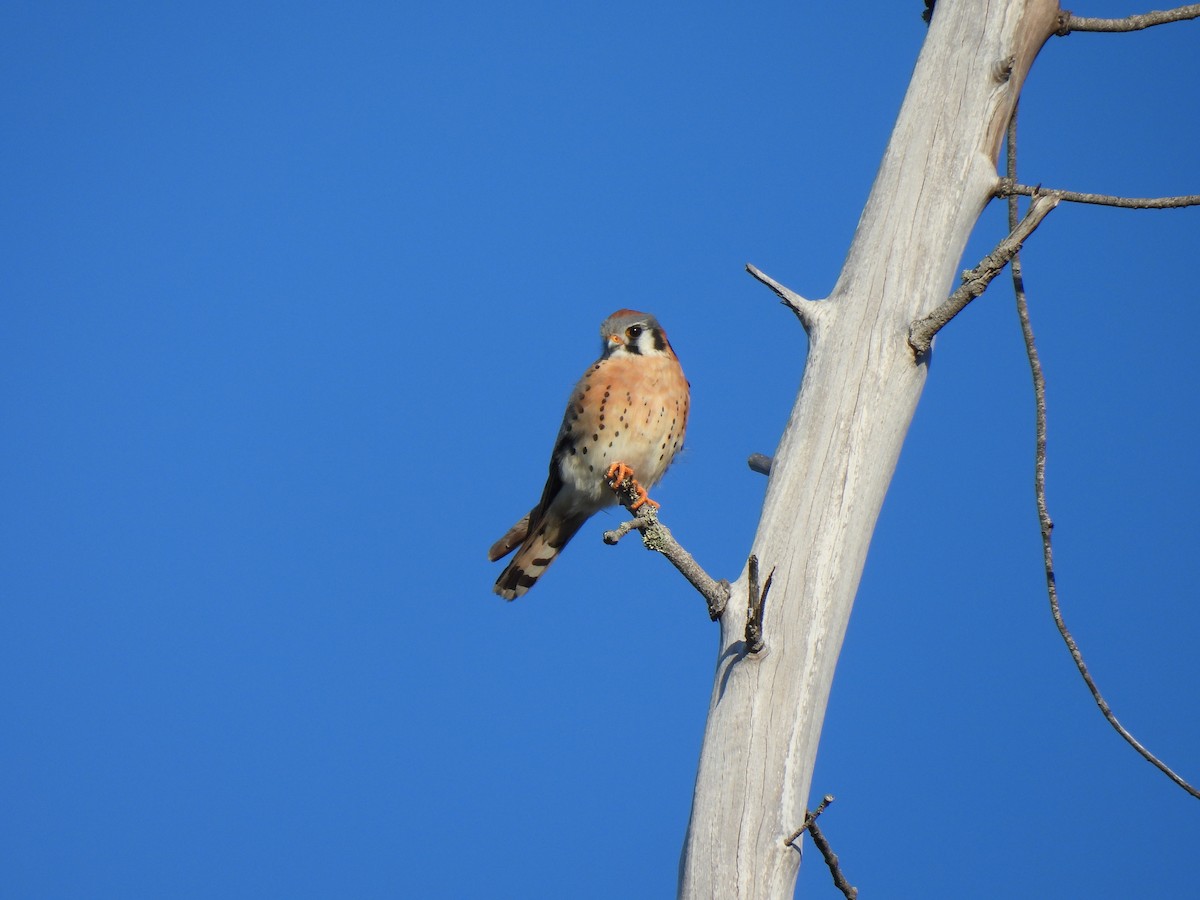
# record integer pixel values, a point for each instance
(643, 499)
(618, 473)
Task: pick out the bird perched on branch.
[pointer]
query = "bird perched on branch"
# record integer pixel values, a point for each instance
(625, 419)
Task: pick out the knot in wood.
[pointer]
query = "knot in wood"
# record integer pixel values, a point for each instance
(1002, 69)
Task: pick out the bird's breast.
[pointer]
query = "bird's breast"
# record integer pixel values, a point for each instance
(632, 410)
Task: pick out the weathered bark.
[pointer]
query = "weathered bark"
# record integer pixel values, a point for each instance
(839, 450)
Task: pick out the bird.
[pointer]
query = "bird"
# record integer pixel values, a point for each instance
(625, 418)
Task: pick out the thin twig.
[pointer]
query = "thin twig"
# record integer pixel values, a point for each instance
(975, 282)
(656, 536)
(1009, 187)
(1068, 22)
(612, 537)
(1039, 482)
(819, 841)
(809, 818)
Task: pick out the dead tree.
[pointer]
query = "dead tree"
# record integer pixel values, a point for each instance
(870, 343)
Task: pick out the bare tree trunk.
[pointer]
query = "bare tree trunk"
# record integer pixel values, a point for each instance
(837, 455)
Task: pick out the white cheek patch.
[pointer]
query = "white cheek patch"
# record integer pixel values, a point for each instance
(645, 344)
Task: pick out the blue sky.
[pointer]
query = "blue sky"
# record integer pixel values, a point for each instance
(294, 295)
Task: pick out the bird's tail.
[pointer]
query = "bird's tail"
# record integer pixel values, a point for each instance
(514, 537)
(536, 553)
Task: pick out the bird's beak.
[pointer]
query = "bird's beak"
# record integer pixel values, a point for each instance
(615, 339)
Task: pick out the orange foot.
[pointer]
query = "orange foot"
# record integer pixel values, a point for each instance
(617, 475)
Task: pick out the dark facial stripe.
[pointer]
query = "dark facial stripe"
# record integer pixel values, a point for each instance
(660, 343)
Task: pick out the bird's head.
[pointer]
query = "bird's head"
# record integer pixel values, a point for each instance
(632, 333)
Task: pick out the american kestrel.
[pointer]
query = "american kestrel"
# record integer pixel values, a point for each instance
(626, 416)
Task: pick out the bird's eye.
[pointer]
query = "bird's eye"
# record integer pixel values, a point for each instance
(633, 330)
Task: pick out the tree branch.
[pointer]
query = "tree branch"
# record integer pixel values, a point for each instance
(656, 536)
(1009, 188)
(809, 818)
(975, 282)
(1039, 483)
(760, 463)
(818, 837)
(1068, 22)
(756, 607)
(806, 310)
(831, 860)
